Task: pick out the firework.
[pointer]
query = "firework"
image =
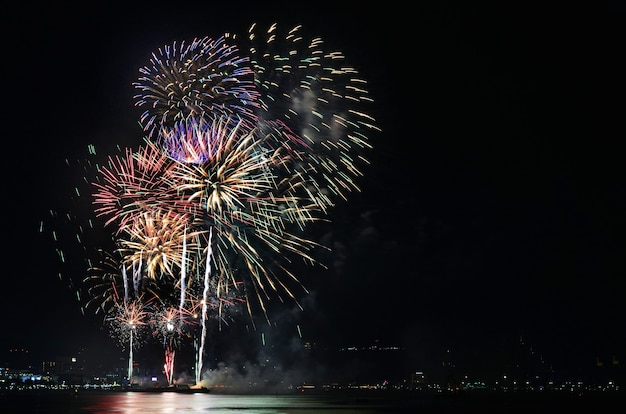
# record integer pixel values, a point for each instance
(242, 196)
(132, 184)
(277, 80)
(129, 323)
(204, 76)
(318, 96)
(168, 323)
(130, 318)
(258, 173)
(153, 244)
(249, 141)
(109, 283)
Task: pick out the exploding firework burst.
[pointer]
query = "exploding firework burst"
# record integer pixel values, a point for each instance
(168, 324)
(153, 245)
(320, 98)
(129, 322)
(132, 184)
(204, 76)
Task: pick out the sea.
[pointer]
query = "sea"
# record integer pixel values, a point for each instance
(107, 402)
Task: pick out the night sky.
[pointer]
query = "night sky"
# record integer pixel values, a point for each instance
(493, 207)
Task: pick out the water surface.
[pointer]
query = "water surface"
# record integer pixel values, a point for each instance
(66, 402)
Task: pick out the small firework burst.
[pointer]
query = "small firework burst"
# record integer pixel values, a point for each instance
(129, 322)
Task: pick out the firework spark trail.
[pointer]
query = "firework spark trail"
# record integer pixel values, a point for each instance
(130, 359)
(183, 275)
(205, 295)
(125, 281)
(168, 366)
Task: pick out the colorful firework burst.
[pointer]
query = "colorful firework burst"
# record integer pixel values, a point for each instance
(318, 96)
(132, 184)
(129, 321)
(204, 76)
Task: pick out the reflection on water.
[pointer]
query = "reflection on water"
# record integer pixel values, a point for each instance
(132, 402)
(170, 402)
(51, 402)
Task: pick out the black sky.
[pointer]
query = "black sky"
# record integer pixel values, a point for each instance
(493, 206)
